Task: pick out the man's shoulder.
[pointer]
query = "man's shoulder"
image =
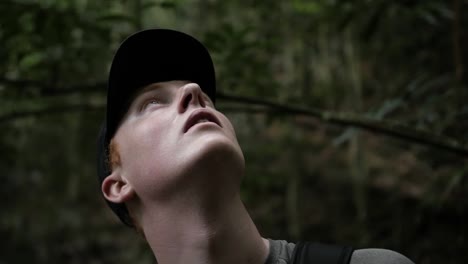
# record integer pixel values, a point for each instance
(282, 252)
(378, 255)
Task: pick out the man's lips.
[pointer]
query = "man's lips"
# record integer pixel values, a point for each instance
(200, 116)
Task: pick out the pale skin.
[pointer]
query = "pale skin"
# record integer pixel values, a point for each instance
(179, 174)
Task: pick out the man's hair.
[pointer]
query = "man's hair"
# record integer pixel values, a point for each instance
(114, 155)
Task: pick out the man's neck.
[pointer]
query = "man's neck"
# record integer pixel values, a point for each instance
(191, 235)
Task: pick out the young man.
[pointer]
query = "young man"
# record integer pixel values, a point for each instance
(170, 165)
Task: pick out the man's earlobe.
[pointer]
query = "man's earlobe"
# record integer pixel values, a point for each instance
(117, 189)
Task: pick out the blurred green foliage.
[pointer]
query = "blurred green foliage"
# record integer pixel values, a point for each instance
(400, 61)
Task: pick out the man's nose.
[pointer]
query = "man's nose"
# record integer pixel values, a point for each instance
(191, 96)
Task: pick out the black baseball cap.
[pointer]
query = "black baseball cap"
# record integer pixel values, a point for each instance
(149, 56)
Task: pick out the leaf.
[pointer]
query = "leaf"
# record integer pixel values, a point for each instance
(387, 107)
(115, 18)
(168, 4)
(308, 7)
(454, 182)
(30, 60)
(428, 16)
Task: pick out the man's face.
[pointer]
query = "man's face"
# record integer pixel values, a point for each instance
(172, 136)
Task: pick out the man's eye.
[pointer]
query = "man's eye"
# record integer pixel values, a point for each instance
(149, 102)
(154, 101)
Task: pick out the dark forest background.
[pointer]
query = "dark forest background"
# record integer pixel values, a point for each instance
(353, 117)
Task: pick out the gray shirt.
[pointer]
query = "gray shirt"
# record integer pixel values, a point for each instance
(281, 253)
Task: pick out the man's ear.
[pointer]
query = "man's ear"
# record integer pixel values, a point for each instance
(117, 189)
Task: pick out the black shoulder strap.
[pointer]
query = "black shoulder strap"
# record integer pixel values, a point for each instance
(315, 253)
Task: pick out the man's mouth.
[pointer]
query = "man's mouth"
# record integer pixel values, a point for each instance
(199, 116)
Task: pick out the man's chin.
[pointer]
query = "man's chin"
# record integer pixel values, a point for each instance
(215, 153)
(213, 142)
(213, 167)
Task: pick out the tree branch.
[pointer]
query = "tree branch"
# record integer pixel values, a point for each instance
(392, 129)
(46, 90)
(49, 110)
